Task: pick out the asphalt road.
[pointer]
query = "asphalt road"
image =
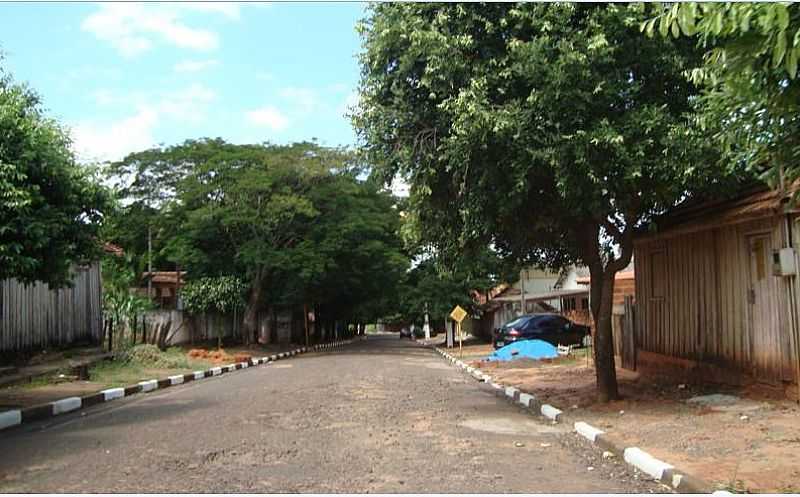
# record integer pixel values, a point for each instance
(380, 415)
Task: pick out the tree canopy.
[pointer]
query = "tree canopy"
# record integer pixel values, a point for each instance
(50, 207)
(749, 76)
(292, 221)
(550, 132)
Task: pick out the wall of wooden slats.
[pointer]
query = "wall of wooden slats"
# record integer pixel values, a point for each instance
(34, 316)
(692, 300)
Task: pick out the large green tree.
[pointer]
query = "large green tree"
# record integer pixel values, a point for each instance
(50, 206)
(292, 221)
(550, 131)
(751, 93)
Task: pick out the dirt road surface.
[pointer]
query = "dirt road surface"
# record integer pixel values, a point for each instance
(380, 415)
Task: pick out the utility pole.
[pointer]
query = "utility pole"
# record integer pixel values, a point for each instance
(427, 328)
(305, 321)
(149, 262)
(522, 291)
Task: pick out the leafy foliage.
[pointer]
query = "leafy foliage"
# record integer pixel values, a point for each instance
(121, 305)
(749, 77)
(50, 207)
(550, 132)
(222, 294)
(293, 222)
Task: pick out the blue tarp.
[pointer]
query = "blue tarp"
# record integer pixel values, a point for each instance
(528, 349)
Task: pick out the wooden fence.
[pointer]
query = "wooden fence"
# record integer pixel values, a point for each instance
(34, 316)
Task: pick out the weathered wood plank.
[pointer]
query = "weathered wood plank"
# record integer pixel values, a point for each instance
(36, 316)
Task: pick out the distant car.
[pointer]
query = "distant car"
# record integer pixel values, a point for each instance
(405, 333)
(552, 328)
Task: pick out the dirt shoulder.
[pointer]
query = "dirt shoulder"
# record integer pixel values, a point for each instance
(737, 440)
(60, 381)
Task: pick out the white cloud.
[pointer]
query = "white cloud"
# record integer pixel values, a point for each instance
(269, 117)
(304, 98)
(227, 9)
(134, 28)
(187, 105)
(101, 141)
(95, 142)
(195, 65)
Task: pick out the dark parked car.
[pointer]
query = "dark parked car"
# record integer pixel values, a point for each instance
(405, 333)
(552, 328)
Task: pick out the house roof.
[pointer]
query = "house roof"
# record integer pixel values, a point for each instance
(627, 274)
(697, 215)
(113, 249)
(534, 297)
(166, 277)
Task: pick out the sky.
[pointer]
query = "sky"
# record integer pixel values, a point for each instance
(127, 76)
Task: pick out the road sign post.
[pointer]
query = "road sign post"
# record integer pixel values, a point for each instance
(458, 314)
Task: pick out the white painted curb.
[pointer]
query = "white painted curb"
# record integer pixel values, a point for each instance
(273, 358)
(526, 399)
(587, 431)
(66, 405)
(10, 418)
(645, 462)
(199, 375)
(245, 365)
(113, 393)
(486, 378)
(550, 412)
(230, 368)
(216, 371)
(510, 391)
(497, 386)
(175, 380)
(148, 386)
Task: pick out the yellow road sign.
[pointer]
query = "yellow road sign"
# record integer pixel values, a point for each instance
(458, 314)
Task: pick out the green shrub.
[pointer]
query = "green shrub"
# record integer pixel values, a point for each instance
(149, 355)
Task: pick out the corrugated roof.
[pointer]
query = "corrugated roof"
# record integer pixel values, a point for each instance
(694, 215)
(113, 249)
(533, 297)
(164, 277)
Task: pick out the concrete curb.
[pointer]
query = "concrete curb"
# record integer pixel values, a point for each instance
(634, 456)
(16, 417)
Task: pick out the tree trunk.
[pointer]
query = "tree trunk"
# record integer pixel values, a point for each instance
(602, 298)
(605, 368)
(250, 328)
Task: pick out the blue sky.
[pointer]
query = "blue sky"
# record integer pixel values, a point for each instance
(126, 76)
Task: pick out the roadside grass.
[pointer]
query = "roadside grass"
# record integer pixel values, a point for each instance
(37, 382)
(135, 366)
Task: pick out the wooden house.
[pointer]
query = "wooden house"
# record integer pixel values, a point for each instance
(716, 296)
(164, 287)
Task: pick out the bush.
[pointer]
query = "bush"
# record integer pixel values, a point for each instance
(149, 355)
